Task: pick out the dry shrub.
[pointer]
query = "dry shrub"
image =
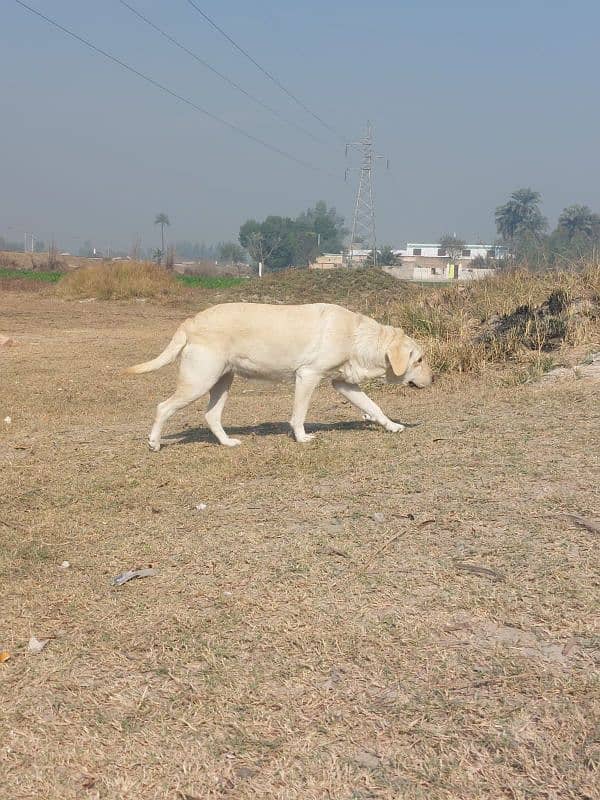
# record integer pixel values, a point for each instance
(449, 320)
(120, 280)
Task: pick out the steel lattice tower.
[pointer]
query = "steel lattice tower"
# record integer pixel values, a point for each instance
(363, 221)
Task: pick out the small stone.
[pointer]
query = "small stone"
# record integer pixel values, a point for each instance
(378, 517)
(8, 420)
(65, 565)
(37, 645)
(201, 507)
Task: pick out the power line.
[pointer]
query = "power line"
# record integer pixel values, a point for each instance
(269, 75)
(216, 72)
(166, 89)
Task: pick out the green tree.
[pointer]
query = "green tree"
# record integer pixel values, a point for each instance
(327, 225)
(578, 221)
(277, 242)
(162, 220)
(257, 241)
(576, 236)
(280, 235)
(452, 245)
(281, 242)
(520, 216)
(306, 247)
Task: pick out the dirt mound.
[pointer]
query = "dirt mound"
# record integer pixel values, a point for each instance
(311, 286)
(542, 327)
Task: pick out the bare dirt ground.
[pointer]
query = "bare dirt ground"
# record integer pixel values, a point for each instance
(368, 616)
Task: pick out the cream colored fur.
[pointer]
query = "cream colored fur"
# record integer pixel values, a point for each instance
(305, 343)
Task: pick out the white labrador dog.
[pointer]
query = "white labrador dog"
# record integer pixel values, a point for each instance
(306, 343)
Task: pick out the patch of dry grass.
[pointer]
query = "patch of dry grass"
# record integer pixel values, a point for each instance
(313, 633)
(120, 280)
(449, 320)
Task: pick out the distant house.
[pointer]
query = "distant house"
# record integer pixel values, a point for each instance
(468, 253)
(328, 261)
(431, 262)
(350, 258)
(426, 262)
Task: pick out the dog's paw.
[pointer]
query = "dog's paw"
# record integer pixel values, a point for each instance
(305, 437)
(229, 442)
(154, 446)
(368, 418)
(394, 427)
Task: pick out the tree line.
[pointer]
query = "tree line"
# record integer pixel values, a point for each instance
(524, 229)
(280, 242)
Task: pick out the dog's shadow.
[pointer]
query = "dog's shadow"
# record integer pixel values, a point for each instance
(202, 434)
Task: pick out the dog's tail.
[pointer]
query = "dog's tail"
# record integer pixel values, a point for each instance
(168, 355)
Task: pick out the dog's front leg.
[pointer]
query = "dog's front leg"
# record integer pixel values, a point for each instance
(306, 383)
(363, 402)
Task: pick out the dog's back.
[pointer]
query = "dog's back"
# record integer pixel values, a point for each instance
(272, 341)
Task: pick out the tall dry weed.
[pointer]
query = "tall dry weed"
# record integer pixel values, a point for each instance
(121, 280)
(447, 320)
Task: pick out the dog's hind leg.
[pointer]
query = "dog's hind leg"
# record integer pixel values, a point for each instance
(200, 370)
(306, 383)
(363, 402)
(165, 410)
(216, 404)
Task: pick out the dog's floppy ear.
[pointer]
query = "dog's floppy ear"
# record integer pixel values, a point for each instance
(398, 354)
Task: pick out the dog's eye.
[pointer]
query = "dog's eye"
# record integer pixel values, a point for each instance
(419, 360)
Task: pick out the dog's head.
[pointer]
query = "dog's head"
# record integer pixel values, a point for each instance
(405, 363)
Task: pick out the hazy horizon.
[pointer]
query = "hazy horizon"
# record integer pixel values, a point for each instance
(468, 102)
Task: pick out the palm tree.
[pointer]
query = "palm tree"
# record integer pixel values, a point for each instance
(578, 219)
(521, 215)
(162, 220)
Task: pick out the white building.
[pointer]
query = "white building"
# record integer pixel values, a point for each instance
(468, 253)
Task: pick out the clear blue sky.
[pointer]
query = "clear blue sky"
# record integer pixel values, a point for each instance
(469, 100)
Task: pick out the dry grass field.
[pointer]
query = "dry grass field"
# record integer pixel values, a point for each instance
(372, 615)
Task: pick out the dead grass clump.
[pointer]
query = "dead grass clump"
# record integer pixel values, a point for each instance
(121, 280)
(515, 317)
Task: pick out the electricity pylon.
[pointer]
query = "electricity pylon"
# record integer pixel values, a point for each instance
(363, 222)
